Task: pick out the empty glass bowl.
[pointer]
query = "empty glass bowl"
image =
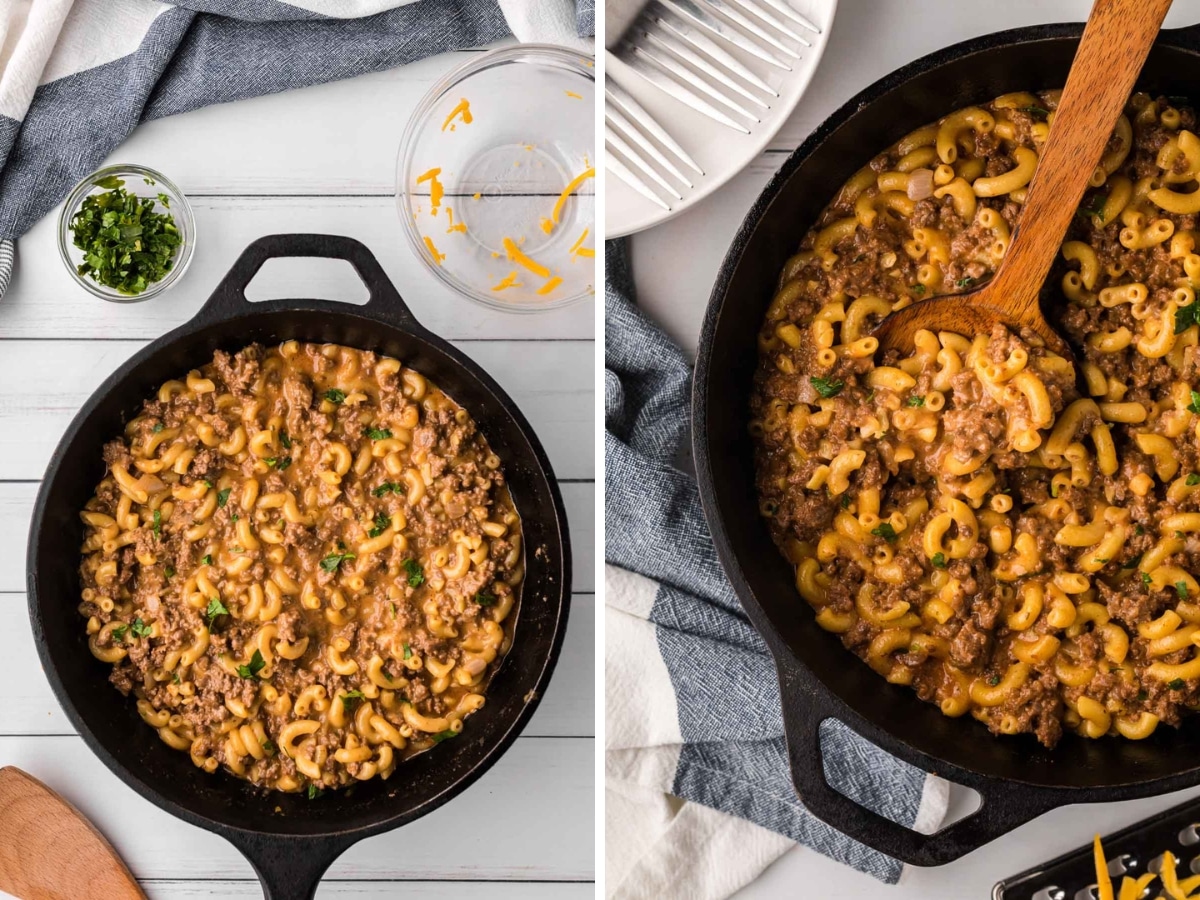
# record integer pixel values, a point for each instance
(495, 178)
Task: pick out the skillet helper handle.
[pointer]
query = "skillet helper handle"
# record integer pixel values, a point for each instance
(805, 708)
(289, 868)
(383, 298)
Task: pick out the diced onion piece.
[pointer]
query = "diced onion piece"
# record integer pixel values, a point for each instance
(920, 184)
(151, 483)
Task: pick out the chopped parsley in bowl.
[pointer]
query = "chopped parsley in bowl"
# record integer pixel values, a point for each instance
(126, 233)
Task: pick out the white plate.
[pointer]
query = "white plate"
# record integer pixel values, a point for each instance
(719, 150)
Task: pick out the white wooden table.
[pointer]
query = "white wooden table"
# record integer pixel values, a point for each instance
(320, 159)
(675, 265)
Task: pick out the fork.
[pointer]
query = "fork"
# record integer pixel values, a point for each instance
(683, 47)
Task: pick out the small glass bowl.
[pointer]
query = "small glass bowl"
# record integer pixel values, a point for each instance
(136, 180)
(531, 134)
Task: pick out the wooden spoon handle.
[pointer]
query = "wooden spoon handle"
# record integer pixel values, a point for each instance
(1115, 44)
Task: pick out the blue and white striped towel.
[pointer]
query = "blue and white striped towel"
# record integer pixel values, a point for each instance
(77, 76)
(692, 703)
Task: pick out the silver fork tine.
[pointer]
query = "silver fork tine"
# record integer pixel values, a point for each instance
(613, 117)
(721, 29)
(672, 22)
(790, 11)
(637, 112)
(611, 137)
(775, 23)
(615, 166)
(673, 44)
(638, 60)
(761, 33)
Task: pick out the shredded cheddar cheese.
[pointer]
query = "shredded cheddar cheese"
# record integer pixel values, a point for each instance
(433, 251)
(515, 254)
(509, 281)
(550, 285)
(569, 190)
(547, 226)
(463, 109)
(574, 96)
(460, 227)
(1103, 881)
(476, 195)
(577, 249)
(435, 189)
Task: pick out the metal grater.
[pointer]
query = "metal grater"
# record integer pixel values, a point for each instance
(1072, 876)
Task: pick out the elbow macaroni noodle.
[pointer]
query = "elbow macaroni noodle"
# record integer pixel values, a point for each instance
(964, 520)
(304, 563)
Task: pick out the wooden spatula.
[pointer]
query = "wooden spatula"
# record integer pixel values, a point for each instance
(1115, 43)
(49, 851)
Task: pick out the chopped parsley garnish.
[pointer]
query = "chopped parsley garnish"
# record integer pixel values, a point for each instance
(1133, 563)
(1094, 207)
(885, 531)
(964, 282)
(1194, 406)
(1192, 479)
(393, 605)
(269, 747)
(333, 395)
(280, 463)
(444, 736)
(407, 651)
(917, 289)
(1146, 578)
(118, 633)
(845, 501)
(333, 560)
(485, 598)
(993, 680)
(157, 527)
(139, 628)
(1186, 317)
(215, 608)
(388, 487)
(175, 678)
(313, 791)
(1143, 695)
(1034, 110)
(236, 549)
(1179, 534)
(223, 497)
(379, 434)
(827, 387)
(285, 440)
(169, 571)
(206, 559)
(1054, 488)
(915, 400)
(234, 517)
(158, 426)
(126, 244)
(939, 560)
(351, 699)
(1139, 530)
(416, 575)
(257, 664)
(382, 523)
(1181, 589)
(1175, 684)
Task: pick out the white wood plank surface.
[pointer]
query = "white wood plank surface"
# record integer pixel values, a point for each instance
(316, 160)
(529, 818)
(566, 711)
(43, 301)
(553, 386)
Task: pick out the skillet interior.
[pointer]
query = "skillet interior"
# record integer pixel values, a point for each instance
(892, 716)
(109, 721)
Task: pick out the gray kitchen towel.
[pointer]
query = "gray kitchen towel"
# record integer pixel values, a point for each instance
(693, 705)
(77, 76)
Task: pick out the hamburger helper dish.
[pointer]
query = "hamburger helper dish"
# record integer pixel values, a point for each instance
(304, 563)
(966, 520)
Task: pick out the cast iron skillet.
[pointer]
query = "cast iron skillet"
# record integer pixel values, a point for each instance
(289, 839)
(1017, 779)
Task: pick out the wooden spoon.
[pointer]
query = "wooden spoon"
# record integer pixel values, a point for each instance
(49, 851)
(1115, 44)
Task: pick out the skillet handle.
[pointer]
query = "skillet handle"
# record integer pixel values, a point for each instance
(1187, 36)
(805, 707)
(289, 868)
(229, 298)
